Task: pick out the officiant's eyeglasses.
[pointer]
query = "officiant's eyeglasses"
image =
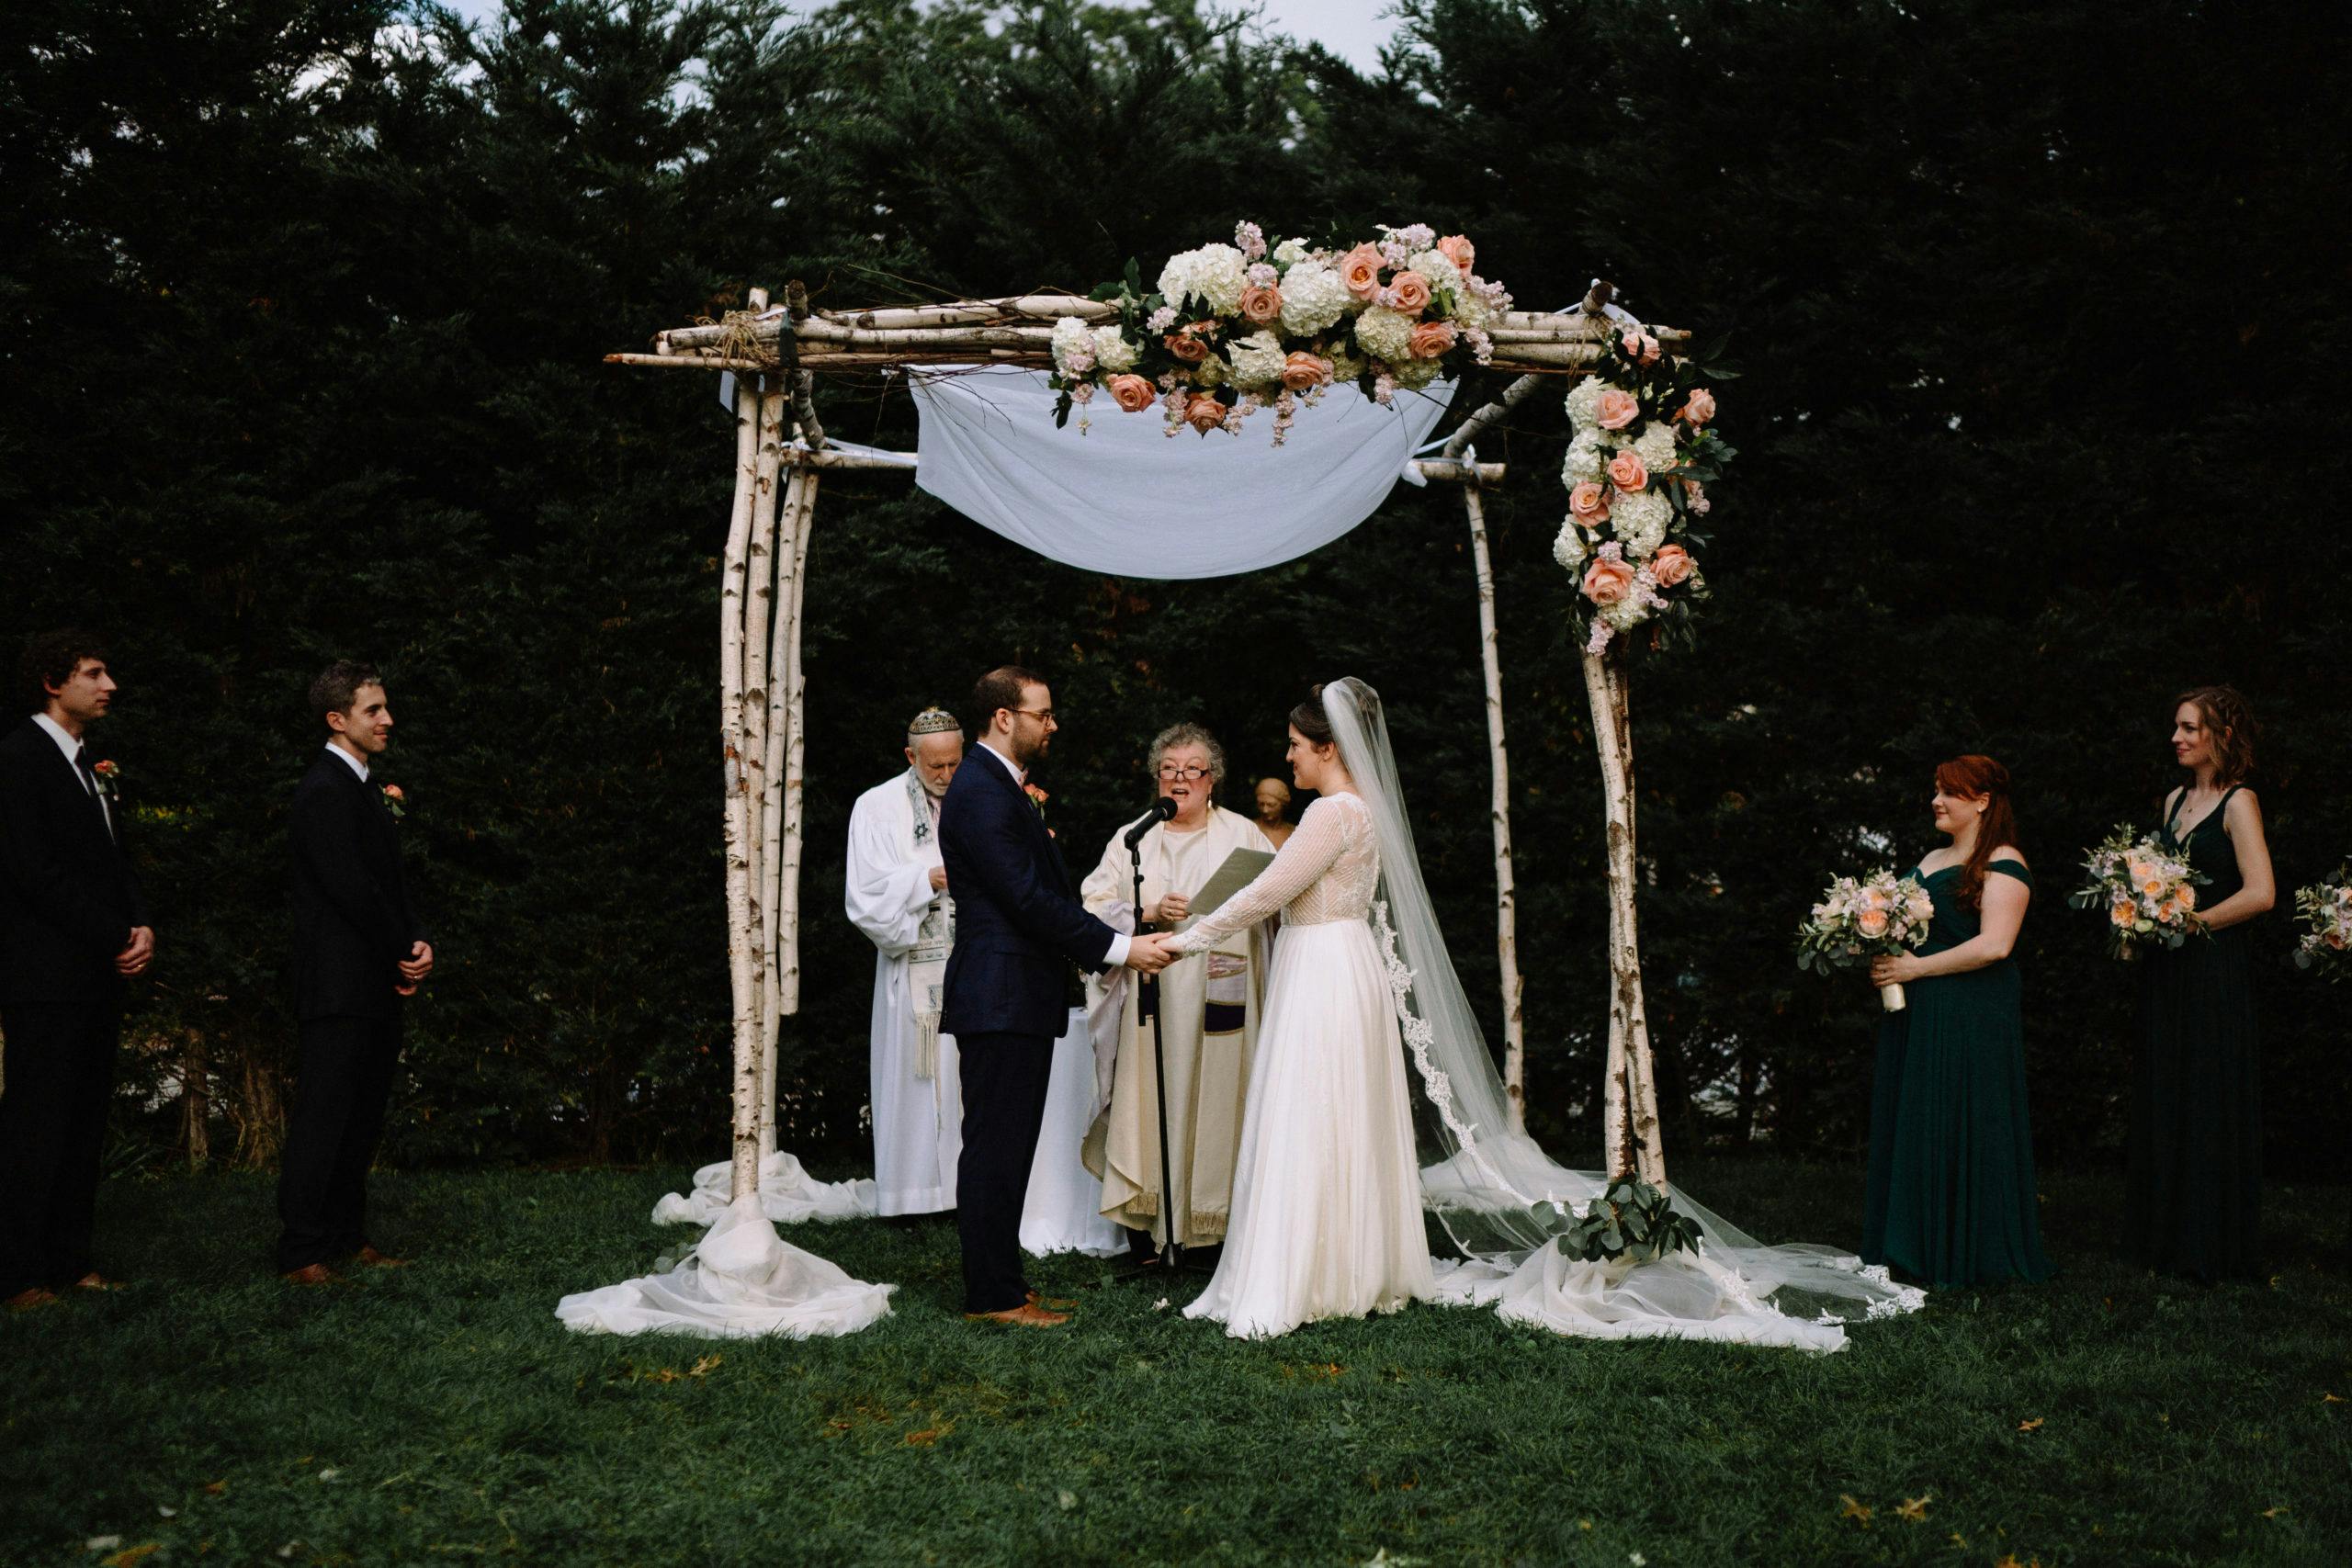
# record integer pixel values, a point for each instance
(1189, 776)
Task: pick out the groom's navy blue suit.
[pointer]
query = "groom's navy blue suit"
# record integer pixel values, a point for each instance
(1018, 925)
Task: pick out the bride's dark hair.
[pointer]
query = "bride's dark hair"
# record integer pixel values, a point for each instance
(1310, 719)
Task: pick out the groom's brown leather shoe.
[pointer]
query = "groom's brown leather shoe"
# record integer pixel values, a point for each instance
(1026, 1315)
(94, 1280)
(30, 1297)
(375, 1259)
(1051, 1304)
(310, 1274)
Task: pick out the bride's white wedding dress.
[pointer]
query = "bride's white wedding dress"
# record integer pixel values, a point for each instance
(1327, 1192)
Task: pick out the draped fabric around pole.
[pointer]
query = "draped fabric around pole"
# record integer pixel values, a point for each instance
(1113, 492)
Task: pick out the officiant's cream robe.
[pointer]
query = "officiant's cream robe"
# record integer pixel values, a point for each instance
(916, 1098)
(1208, 1074)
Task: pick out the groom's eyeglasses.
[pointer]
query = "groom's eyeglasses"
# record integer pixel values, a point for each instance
(1189, 776)
(1046, 714)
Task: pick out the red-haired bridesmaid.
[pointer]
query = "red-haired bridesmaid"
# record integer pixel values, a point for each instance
(2192, 1204)
(1952, 1197)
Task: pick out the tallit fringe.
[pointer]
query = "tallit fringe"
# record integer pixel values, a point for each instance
(926, 1045)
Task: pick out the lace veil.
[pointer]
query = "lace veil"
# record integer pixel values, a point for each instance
(1501, 1197)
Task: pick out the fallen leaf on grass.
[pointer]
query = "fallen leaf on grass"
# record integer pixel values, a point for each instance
(2331, 1399)
(1852, 1509)
(2032, 1426)
(216, 1487)
(929, 1434)
(2274, 1512)
(2011, 1562)
(704, 1367)
(1959, 1541)
(129, 1555)
(1915, 1509)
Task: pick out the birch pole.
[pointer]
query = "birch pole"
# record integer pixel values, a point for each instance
(759, 745)
(745, 1174)
(796, 753)
(1505, 894)
(771, 797)
(1629, 1099)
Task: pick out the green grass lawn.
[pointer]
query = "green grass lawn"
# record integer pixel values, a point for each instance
(439, 1414)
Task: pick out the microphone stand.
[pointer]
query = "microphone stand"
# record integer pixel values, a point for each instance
(1172, 1255)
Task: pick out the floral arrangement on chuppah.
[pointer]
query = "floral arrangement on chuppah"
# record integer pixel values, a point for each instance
(1234, 329)
(1644, 453)
(2325, 911)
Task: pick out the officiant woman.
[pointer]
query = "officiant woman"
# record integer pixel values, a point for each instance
(1208, 1010)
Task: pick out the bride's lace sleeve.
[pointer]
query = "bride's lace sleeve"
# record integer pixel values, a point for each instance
(1320, 838)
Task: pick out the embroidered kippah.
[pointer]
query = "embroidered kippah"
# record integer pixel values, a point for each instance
(935, 721)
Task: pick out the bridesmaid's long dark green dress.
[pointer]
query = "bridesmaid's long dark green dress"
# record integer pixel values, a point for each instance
(2193, 1199)
(1952, 1197)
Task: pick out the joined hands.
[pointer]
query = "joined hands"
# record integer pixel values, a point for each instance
(1149, 953)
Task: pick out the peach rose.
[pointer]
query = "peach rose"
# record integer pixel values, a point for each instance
(1699, 407)
(1432, 339)
(1616, 408)
(1871, 922)
(2186, 898)
(1632, 341)
(1360, 270)
(1650, 353)
(1673, 564)
(1204, 413)
(1411, 291)
(1626, 472)
(2122, 913)
(1262, 304)
(1132, 393)
(1606, 582)
(1457, 249)
(1589, 505)
(1304, 371)
(1186, 347)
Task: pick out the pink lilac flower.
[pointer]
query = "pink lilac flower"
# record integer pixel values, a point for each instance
(1599, 640)
(1251, 240)
(1613, 550)
(1162, 319)
(1384, 388)
(1482, 347)
(1262, 275)
(1084, 392)
(1395, 253)
(1415, 236)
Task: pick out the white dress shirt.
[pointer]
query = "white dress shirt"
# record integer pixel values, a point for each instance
(1117, 954)
(71, 745)
(349, 760)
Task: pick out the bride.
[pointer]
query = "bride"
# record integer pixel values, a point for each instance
(1326, 1193)
(1339, 1156)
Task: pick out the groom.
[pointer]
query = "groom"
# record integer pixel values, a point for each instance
(1018, 923)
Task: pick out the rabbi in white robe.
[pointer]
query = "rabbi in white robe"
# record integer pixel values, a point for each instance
(897, 894)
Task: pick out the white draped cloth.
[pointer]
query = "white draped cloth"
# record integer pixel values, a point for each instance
(741, 1281)
(917, 1099)
(1113, 493)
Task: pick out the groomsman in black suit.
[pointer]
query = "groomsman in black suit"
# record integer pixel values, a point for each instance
(358, 949)
(73, 927)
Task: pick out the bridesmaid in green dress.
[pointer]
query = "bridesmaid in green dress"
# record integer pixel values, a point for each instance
(2192, 1203)
(1952, 1197)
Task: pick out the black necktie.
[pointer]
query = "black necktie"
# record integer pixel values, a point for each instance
(90, 782)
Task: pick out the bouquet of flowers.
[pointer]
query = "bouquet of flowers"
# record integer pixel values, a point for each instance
(1637, 471)
(1864, 918)
(2326, 910)
(2149, 893)
(1233, 329)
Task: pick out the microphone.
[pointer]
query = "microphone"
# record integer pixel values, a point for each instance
(1163, 810)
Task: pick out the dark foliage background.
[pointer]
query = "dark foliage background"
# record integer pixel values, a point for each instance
(304, 303)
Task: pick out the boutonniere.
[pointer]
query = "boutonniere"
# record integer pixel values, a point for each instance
(395, 802)
(1037, 798)
(110, 776)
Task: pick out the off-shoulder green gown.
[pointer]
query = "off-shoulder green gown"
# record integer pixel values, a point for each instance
(2193, 1196)
(1952, 1197)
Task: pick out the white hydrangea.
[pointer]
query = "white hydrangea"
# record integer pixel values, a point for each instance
(1257, 361)
(1568, 549)
(1209, 372)
(1417, 373)
(1471, 309)
(1074, 352)
(1583, 401)
(1641, 517)
(1290, 253)
(1438, 267)
(1212, 275)
(1626, 613)
(1346, 369)
(1114, 353)
(1313, 298)
(1585, 461)
(1385, 334)
(1656, 447)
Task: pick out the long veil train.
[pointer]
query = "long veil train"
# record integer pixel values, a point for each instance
(1503, 1200)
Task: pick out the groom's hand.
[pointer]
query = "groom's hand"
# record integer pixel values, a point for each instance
(417, 966)
(1148, 954)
